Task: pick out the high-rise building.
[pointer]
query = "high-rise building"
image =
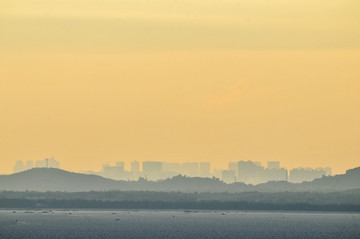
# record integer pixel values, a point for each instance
(228, 176)
(52, 163)
(327, 170)
(250, 172)
(172, 168)
(18, 167)
(273, 164)
(135, 166)
(217, 173)
(233, 166)
(114, 172)
(40, 163)
(190, 169)
(298, 175)
(257, 163)
(275, 174)
(152, 170)
(204, 168)
(29, 164)
(120, 164)
(48, 162)
(21, 166)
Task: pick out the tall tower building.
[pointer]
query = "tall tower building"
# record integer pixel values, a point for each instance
(204, 168)
(135, 166)
(152, 170)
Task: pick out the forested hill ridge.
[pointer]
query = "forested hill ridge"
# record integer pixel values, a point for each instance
(50, 179)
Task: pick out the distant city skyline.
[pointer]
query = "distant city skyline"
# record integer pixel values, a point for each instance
(179, 106)
(249, 172)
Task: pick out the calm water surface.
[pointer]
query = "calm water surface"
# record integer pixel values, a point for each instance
(177, 224)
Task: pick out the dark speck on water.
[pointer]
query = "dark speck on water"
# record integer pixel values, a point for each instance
(202, 224)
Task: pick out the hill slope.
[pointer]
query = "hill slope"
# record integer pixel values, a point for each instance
(50, 179)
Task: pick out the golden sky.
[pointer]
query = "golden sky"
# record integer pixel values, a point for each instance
(90, 82)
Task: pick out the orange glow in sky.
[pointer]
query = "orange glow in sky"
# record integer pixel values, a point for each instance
(91, 82)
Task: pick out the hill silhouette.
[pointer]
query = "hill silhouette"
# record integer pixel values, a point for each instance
(51, 179)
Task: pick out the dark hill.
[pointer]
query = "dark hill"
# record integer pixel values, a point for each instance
(50, 179)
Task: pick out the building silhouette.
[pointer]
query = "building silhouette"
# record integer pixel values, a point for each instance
(249, 172)
(46, 163)
(135, 170)
(172, 168)
(114, 172)
(233, 166)
(298, 175)
(254, 173)
(273, 165)
(204, 169)
(135, 166)
(190, 169)
(20, 166)
(152, 170)
(228, 176)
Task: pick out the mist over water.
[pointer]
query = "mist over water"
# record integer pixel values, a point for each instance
(177, 224)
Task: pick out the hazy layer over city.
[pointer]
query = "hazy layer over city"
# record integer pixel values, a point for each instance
(188, 81)
(249, 172)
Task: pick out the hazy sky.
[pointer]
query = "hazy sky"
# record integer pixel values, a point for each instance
(90, 82)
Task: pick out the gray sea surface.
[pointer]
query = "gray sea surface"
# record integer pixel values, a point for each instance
(177, 224)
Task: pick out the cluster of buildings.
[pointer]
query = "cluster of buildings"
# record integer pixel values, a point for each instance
(249, 172)
(46, 163)
(153, 170)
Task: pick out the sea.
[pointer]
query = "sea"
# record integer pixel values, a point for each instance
(177, 224)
